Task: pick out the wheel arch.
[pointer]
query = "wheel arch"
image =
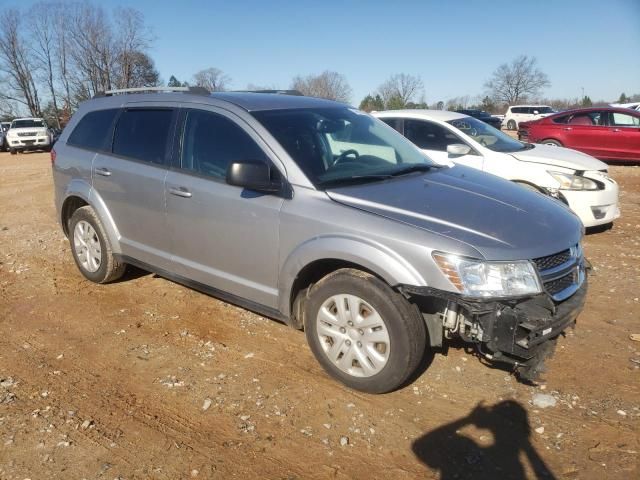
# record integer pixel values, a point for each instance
(79, 194)
(320, 256)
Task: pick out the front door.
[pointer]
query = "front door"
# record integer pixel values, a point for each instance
(222, 236)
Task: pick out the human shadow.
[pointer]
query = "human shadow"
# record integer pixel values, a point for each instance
(457, 456)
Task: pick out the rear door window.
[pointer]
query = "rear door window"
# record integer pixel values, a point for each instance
(394, 123)
(428, 135)
(94, 130)
(144, 134)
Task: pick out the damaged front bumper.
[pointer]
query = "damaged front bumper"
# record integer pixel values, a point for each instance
(521, 332)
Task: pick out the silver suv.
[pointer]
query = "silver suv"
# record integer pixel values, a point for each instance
(316, 214)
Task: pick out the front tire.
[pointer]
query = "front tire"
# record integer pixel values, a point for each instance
(552, 142)
(91, 247)
(511, 125)
(13, 151)
(362, 332)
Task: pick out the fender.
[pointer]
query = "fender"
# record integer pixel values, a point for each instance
(82, 189)
(373, 256)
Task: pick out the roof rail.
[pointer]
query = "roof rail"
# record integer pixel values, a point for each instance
(120, 91)
(281, 92)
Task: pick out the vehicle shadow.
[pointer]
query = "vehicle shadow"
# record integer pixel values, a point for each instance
(455, 455)
(132, 273)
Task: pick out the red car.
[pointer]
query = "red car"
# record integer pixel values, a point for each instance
(603, 132)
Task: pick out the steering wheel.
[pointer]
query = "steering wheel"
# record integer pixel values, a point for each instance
(345, 154)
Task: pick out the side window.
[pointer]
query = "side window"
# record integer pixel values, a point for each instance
(588, 119)
(211, 142)
(429, 136)
(562, 119)
(624, 120)
(93, 130)
(393, 123)
(143, 134)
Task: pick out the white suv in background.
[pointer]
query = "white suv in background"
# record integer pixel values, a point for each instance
(28, 134)
(524, 113)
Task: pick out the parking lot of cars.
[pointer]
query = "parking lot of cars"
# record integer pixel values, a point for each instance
(146, 378)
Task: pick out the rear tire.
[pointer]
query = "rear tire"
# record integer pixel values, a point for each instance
(362, 332)
(91, 248)
(511, 125)
(551, 142)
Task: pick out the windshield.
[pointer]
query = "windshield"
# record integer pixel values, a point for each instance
(488, 136)
(27, 124)
(340, 145)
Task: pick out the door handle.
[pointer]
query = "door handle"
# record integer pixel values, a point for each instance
(103, 171)
(180, 192)
(615, 130)
(567, 128)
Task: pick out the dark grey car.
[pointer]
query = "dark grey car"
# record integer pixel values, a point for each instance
(316, 214)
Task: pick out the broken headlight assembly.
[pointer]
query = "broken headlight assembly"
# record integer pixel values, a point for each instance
(568, 181)
(486, 279)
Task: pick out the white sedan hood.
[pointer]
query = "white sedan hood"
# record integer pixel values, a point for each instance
(561, 157)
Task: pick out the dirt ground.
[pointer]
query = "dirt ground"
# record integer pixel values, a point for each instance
(145, 378)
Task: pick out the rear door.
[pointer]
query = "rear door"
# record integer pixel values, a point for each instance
(130, 180)
(587, 132)
(624, 129)
(434, 140)
(222, 236)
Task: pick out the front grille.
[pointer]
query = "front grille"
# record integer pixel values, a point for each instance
(552, 261)
(559, 284)
(561, 273)
(27, 134)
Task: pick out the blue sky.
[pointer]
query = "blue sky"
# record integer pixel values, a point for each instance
(452, 45)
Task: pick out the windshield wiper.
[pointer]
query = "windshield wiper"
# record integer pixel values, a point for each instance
(353, 179)
(420, 167)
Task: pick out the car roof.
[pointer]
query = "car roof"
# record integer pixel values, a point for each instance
(596, 109)
(253, 101)
(248, 101)
(26, 118)
(530, 105)
(442, 115)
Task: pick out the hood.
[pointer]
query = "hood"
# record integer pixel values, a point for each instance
(559, 156)
(498, 218)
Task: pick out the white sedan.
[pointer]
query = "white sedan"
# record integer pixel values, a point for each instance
(579, 180)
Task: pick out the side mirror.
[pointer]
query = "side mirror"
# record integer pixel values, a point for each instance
(458, 149)
(253, 175)
(535, 112)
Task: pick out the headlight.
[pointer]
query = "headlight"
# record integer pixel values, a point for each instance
(573, 182)
(478, 278)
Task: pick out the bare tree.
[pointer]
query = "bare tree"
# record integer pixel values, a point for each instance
(515, 81)
(43, 32)
(130, 41)
(17, 63)
(400, 89)
(328, 84)
(213, 79)
(92, 49)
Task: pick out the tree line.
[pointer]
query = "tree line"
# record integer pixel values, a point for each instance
(57, 54)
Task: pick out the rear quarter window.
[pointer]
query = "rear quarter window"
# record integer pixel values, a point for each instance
(93, 131)
(562, 119)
